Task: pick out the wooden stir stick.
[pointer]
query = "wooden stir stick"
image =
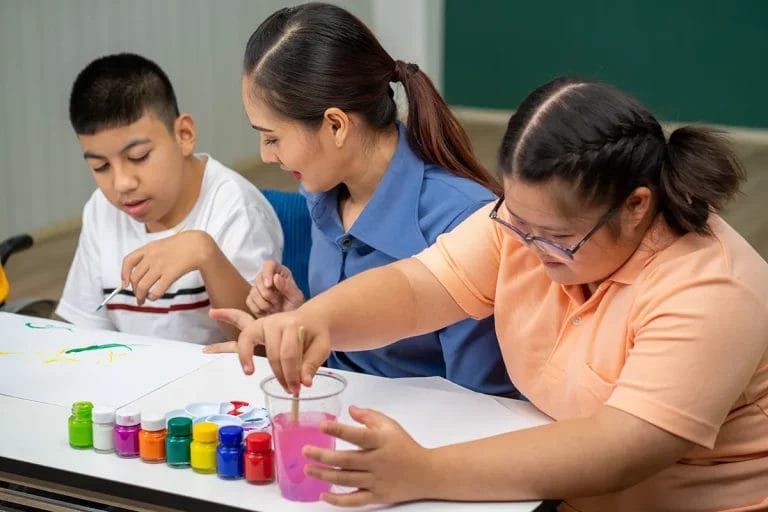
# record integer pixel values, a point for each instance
(295, 401)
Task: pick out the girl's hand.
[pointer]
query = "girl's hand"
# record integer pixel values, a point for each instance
(279, 334)
(389, 467)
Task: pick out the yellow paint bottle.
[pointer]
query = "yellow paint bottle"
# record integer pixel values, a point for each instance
(203, 447)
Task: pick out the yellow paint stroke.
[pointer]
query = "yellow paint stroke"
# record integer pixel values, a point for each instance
(111, 354)
(7, 353)
(61, 360)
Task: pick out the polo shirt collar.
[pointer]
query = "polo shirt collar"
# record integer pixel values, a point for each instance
(390, 221)
(658, 237)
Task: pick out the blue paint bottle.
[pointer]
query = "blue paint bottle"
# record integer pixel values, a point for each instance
(230, 452)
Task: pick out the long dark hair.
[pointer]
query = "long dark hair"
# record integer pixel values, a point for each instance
(303, 60)
(605, 144)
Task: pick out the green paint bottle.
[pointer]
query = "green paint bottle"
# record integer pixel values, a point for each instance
(81, 425)
(178, 441)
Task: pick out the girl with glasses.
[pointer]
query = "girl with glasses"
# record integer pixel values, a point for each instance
(637, 317)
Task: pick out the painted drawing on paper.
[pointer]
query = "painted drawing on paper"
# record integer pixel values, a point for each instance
(57, 363)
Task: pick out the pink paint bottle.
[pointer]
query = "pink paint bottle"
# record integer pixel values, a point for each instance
(127, 427)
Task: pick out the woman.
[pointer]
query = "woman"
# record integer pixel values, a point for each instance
(316, 85)
(638, 320)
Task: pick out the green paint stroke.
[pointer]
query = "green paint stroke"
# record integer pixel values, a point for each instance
(47, 326)
(91, 348)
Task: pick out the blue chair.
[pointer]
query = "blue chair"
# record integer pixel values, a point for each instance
(291, 210)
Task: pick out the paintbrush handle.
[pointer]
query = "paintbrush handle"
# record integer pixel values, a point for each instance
(109, 297)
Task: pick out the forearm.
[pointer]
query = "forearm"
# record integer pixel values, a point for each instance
(226, 287)
(578, 457)
(383, 305)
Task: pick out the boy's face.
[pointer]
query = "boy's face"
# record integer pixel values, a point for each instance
(140, 168)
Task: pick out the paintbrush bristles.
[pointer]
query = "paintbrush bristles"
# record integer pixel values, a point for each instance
(295, 401)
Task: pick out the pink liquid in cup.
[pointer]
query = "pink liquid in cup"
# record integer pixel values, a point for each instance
(290, 437)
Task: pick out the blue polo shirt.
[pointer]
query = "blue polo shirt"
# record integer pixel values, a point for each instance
(413, 204)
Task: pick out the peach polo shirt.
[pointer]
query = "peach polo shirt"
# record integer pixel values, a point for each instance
(677, 336)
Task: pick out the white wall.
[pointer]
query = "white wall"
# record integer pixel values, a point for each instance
(45, 43)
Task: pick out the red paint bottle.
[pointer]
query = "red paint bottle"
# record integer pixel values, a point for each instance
(259, 458)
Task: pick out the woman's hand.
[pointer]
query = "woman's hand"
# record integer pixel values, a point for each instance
(274, 291)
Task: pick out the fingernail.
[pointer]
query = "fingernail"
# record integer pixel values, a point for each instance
(206, 349)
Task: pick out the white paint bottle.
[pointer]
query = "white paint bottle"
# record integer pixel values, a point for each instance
(103, 429)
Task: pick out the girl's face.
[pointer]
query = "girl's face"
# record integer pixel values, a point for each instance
(313, 157)
(534, 210)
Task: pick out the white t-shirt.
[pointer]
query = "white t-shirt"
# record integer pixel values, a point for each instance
(229, 208)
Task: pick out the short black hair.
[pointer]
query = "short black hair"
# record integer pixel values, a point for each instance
(117, 90)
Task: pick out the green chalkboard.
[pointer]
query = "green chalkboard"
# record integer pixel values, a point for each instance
(688, 61)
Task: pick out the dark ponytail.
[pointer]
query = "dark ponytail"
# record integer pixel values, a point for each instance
(605, 144)
(700, 174)
(434, 132)
(303, 60)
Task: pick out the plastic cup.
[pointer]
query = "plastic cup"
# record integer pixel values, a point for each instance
(316, 404)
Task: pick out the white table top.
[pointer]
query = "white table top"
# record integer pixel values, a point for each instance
(434, 411)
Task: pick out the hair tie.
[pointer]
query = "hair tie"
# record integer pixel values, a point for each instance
(403, 71)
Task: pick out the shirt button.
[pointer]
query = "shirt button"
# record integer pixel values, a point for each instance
(346, 243)
(576, 320)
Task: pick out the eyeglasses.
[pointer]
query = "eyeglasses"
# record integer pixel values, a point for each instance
(548, 246)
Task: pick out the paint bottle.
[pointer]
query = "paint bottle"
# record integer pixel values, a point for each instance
(80, 425)
(152, 438)
(178, 441)
(229, 453)
(127, 426)
(103, 427)
(259, 458)
(202, 451)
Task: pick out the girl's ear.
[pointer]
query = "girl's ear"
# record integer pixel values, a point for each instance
(637, 207)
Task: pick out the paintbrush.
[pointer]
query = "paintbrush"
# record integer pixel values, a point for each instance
(109, 297)
(295, 401)
(117, 290)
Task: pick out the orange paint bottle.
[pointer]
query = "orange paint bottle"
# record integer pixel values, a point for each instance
(152, 438)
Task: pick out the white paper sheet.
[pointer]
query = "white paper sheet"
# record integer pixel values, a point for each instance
(57, 363)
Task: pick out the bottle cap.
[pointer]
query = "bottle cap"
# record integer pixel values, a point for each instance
(231, 435)
(180, 426)
(205, 432)
(103, 414)
(127, 416)
(82, 408)
(258, 442)
(152, 422)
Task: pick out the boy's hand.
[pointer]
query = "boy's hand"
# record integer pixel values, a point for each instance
(279, 333)
(151, 269)
(274, 291)
(376, 469)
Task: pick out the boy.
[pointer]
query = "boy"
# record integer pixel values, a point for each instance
(177, 231)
